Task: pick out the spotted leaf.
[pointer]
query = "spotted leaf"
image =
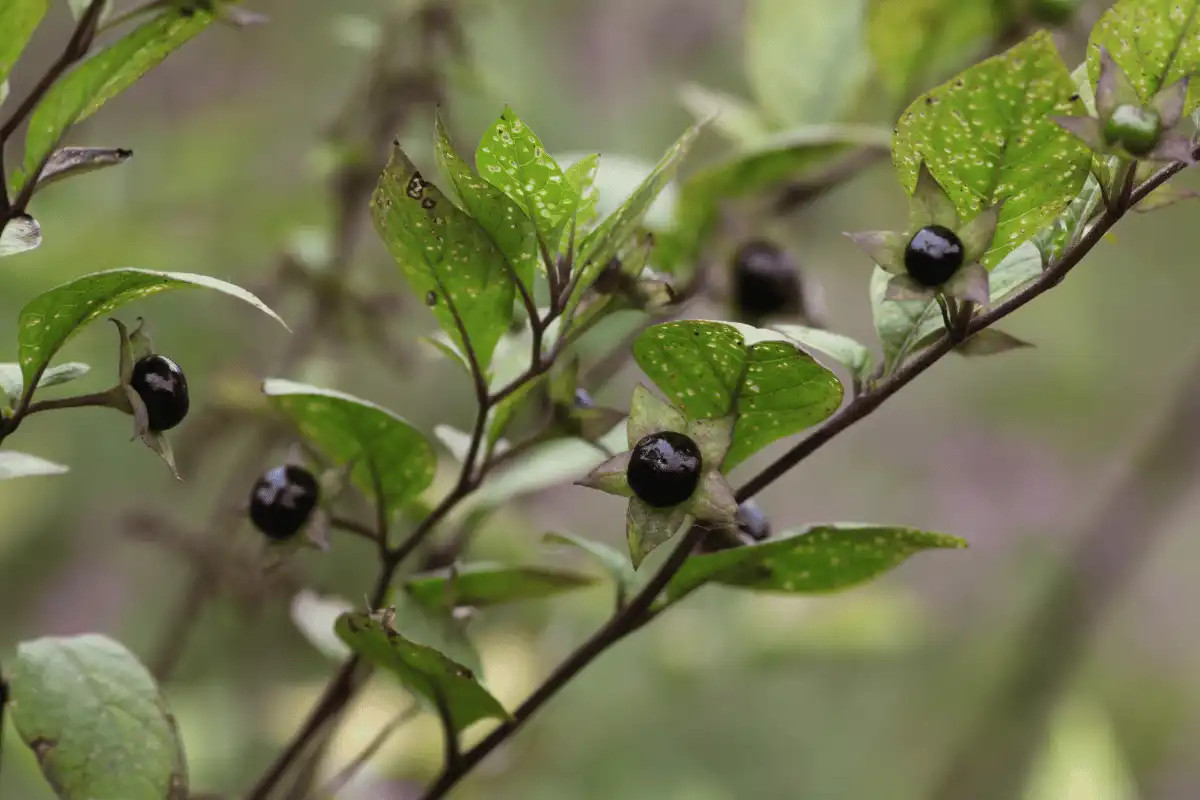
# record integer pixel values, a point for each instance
(1155, 42)
(446, 256)
(987, 137)
(819, 560)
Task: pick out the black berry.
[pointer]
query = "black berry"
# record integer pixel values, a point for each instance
(282, 500)
(765, 281)
(664, 469)
(164, 391)
(933, 254)
(752, 521)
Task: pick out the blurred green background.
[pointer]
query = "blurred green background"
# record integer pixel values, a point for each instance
(731, 696)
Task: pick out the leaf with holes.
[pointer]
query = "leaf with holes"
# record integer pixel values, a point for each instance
(851, 354)
(96, 720)
(784, 391)
(791, 155)
(697, 364)
(424, 670)
(987, 137)
(483, 584)
(804, 58)
(1155, 42)
(349, 430)
(614, 232)
(18, 20)
(49, 320)
(912, 41)
(102, 77)
(23, 465)
(446, 257)
(582, 175)
(818, 560)
(513, 159)
(505, 221)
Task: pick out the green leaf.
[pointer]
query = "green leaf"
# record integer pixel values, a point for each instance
(23, 465)
(804, 58)
(987, 137)
(1053, 240)
(18, 20)
(420, 668)
(348, 429)
(445, 255)
(49, 320)
(582, 175)
(96, 721)
(848, 352)
(484, 584)
(614, 562)
(67, 162)
(914, 40)
(513, 159)
(990, 342)
(706, 370)
(698, 365)
(818, 560)
(80, 6)
(790, 155)
(731, 117)
(611, 235)
(511, 229)
(1155, 42)
(1016, 270)
(12, 384)
(102, 77)
(901, 324)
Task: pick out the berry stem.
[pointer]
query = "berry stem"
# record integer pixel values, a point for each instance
(110, 398)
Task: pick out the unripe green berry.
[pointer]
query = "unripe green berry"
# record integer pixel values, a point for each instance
(1136, 129)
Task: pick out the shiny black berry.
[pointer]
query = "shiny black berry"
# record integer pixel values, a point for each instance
(752, 521)
(282, 500)
(164, 391)
(933, 254)
(664, 469)
(765, 280)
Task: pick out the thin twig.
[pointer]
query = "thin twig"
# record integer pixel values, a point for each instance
(354, 528)
(450, 734)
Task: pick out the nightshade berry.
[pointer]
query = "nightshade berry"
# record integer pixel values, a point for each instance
(664, 469)
(282, 500)
(1137, 129)
(933, 255)
(752, 521)
(163, 388)
(765, 280)
(583, 399)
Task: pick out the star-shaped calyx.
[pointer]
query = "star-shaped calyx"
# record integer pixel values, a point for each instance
(1127, 127)
(938, 256)
(671, 473)
(153, 390)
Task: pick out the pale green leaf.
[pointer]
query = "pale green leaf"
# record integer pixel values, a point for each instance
(19, 235)
(96, 720)
(614, 562)
(484, 584)
(446, 257)
(805, 59)
(422, 669)
(12, 383)
(582, 175)
(49, 320)
(23, 465)
(732, 117)
(901, 324)
(913, 41)
(987, 137)
(315, 616)
(349, 430)
(102, 77)
(1155, 42)
(818, 560)
(1016, 270)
